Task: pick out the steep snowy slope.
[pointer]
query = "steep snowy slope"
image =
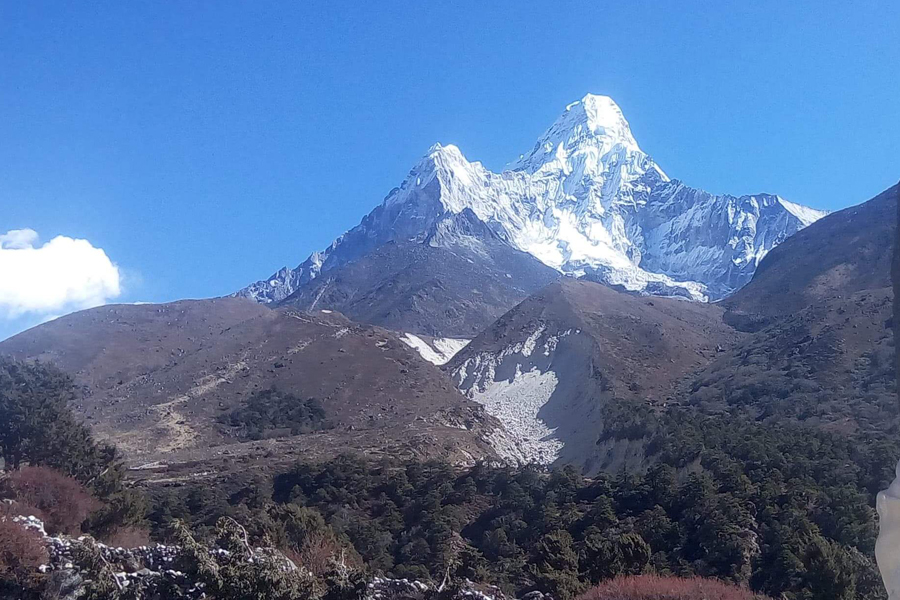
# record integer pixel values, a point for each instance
(586, 201)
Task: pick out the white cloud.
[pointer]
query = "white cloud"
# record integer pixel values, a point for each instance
(18, 239)
(60, 276)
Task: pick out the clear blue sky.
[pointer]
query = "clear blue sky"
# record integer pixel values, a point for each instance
(202, 145)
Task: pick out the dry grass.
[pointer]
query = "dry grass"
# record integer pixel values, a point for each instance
(654, 587)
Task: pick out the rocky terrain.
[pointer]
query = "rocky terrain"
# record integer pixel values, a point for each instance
(170, 571)
(547, 368)
(452, 284)
(157, 380)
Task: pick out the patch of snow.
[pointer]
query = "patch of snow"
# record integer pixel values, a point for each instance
(516, 401)
(449, 347)
(439, 352)
(516, 405)
(806, 214)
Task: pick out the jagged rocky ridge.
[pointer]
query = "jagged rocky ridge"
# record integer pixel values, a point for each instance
(587, 201)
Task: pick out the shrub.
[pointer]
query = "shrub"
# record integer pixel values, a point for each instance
(654, 587)
(63, 503)
(128, 537)
(317, 554)
(272, 413)
(39, 428)
(21, 553)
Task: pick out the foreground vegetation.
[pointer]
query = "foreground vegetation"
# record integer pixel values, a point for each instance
(785, 511)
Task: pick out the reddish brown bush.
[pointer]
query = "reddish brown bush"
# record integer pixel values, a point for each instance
(64, 502)
(316, 554)
(10, 509)
(21, 552)
(653, 587)
(128, 537)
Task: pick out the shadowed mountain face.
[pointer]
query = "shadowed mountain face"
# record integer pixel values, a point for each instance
(452, 284)
(808, 340)
(157, 381)
(820, 313)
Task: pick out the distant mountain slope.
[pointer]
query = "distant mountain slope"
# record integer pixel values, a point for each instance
(585, 200)
(156, 379)
(846, 252)
(808, 340)
(820, 309)
(453, 284)
(547, 367)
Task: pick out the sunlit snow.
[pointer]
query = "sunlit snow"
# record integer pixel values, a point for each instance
(439, 352)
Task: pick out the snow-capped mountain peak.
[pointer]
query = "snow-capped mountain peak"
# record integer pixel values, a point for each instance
(594, 123)
(587, 201)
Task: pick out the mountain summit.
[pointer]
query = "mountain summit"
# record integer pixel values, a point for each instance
(594, 122)
(586, 201)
